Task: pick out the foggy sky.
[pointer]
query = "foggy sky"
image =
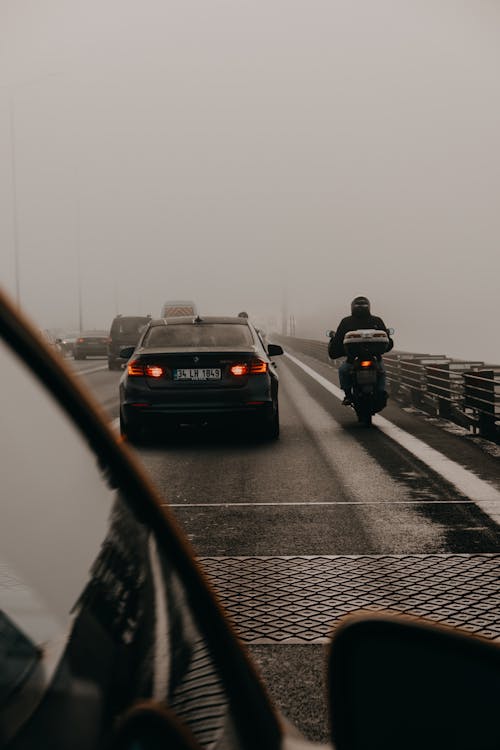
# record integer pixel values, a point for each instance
(232, 152)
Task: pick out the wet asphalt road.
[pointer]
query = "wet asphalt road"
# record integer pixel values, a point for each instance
(328, 487)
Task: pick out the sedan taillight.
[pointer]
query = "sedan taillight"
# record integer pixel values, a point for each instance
(239, 370)
(154, 371)
(139, 369)
(258, 366)
(254, 367)
(135, 368)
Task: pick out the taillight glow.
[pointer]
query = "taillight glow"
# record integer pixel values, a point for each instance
(258, 366)
(135, 368)
(80, 341)
(239, 370)
(153, 371)
(366, 363)
(254, 367)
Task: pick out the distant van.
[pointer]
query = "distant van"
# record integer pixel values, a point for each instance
(125, 331)
(178, 308)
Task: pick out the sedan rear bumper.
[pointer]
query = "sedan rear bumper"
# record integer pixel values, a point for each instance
(154, 415)
(90, 351)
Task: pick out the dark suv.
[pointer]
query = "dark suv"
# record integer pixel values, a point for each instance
(125, 331)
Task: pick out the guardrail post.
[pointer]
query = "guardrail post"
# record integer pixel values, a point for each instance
(392, 368)
(487, 422)
(480, 398)
(438, 386)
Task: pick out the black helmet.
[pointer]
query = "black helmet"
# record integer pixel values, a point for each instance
(243, 314)
(360, 307)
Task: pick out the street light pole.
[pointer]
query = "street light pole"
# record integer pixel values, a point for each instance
(284, 311)
(80, 305)
(78, 256)
(15, 214)
(15, 211)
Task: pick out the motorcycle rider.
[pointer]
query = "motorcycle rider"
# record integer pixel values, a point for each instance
(359, 318)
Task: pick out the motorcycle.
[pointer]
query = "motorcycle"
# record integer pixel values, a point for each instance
(364, 349)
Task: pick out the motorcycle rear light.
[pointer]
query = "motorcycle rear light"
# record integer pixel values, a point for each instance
(153, 371)
(80, 341)
(135, 368)
(366, 363)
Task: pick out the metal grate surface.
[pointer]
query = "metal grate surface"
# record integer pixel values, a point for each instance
(301, 599)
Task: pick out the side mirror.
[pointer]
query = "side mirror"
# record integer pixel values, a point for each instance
(390, 331)
(127, 352)
(397, 683)
(274, 350)
(330, 334)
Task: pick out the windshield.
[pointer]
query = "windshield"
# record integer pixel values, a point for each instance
(198, 336)
(128, 326)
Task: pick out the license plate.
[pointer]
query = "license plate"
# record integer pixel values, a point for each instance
(366, 377)
(198, 373)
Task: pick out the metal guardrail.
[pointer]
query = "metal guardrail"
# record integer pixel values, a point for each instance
(465, 392)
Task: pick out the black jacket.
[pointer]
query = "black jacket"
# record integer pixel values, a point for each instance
(351, 323)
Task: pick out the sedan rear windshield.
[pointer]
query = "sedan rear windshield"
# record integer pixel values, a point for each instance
(195, 336)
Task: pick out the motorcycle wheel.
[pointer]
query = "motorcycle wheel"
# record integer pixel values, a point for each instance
(364, 417)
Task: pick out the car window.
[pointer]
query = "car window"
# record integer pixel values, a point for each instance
(128, 326)
(54, 517)
(194, 336)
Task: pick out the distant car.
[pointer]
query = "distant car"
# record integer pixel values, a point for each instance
(125, 331)
(91, 344)
(66, 343)
(200, 371)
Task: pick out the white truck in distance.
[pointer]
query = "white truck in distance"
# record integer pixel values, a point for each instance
(177, 308)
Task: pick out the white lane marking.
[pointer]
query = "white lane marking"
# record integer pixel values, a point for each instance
(484, 494)
(323, 502)
(369, 480)
(90, 372)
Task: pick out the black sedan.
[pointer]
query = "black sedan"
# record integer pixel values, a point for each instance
(198, 371)
(91, 344)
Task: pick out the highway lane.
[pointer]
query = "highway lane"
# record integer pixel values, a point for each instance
(271, 521)
(102, 382)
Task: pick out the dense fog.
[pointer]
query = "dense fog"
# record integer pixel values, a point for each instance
(279, 157)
